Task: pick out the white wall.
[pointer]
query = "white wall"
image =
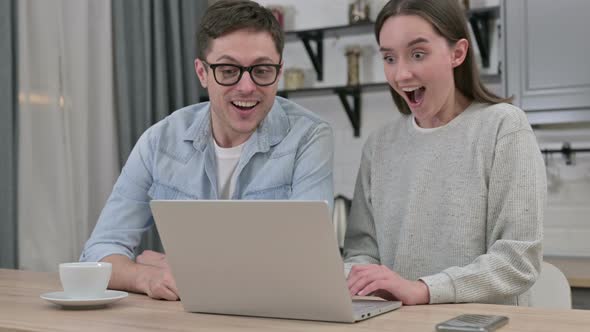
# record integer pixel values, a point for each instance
(567, 225)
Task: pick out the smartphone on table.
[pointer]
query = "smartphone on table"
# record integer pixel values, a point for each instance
(472, 323)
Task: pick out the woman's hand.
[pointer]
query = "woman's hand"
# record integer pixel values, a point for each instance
(379, 280)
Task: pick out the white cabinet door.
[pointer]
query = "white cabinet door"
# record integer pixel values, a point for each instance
(548, 54)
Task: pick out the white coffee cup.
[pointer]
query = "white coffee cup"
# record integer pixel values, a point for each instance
(84, 280)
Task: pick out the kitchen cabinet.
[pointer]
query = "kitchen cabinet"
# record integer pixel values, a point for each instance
(547, 58)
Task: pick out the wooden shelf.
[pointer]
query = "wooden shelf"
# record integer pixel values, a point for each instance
(379, 86)
(333, 31)
(309, 92)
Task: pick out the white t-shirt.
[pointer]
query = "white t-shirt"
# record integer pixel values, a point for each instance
(227, 161)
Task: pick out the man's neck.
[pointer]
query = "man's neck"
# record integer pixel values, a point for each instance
(225, 140)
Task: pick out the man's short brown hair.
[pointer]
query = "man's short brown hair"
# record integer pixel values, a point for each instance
(226, 16)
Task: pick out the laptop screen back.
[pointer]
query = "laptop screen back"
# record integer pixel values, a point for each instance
(255, 258)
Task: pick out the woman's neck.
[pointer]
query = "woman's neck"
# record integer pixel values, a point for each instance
(455, 105)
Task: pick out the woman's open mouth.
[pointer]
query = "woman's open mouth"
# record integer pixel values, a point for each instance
(415, 95)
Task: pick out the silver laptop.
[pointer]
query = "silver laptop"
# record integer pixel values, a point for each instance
(259, 258)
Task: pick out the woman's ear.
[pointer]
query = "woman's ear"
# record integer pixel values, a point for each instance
(459, 52)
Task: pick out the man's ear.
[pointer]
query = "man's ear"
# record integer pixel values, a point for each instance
(280, 71)
(201, 71)
(459, 52)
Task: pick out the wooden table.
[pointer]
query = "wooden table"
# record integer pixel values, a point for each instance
(21, 309)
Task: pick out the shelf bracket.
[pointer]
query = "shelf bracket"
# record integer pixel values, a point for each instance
(480, 23)
(317, 56)
(352, 111)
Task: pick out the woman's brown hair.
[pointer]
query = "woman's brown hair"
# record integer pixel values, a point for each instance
(448, 20)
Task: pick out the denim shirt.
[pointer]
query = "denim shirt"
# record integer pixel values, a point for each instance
(289, 156)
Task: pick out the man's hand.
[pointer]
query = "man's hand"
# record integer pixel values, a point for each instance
(380, 281)
(153, 258)
(156, 280)
(149, 275)
(157, 283)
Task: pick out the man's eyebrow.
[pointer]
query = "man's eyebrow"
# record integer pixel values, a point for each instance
(411, 43)
(226, 57)
(263, 58)
(232, 59)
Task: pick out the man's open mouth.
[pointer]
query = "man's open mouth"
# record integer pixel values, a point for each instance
(245, 105)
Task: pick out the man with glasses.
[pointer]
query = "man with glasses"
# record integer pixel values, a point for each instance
(246, 143)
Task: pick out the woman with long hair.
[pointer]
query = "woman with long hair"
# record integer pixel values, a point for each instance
(449, 199)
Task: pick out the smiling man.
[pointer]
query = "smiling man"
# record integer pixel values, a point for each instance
(246, 143)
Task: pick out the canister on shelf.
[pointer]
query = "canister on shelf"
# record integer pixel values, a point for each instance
(353, 54)
(294, 78)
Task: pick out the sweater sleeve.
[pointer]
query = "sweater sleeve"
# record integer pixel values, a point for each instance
(360, 245)
(516, 199)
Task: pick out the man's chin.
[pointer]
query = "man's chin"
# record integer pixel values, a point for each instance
(245, 129)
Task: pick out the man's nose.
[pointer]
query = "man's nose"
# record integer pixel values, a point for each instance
(246, 84)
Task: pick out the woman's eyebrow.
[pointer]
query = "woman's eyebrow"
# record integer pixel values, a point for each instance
(418, 40)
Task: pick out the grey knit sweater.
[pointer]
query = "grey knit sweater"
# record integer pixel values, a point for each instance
(459, 207)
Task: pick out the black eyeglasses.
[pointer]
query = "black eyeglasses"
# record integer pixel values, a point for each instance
(228, 74)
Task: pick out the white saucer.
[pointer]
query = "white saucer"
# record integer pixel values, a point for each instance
(60, 298)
